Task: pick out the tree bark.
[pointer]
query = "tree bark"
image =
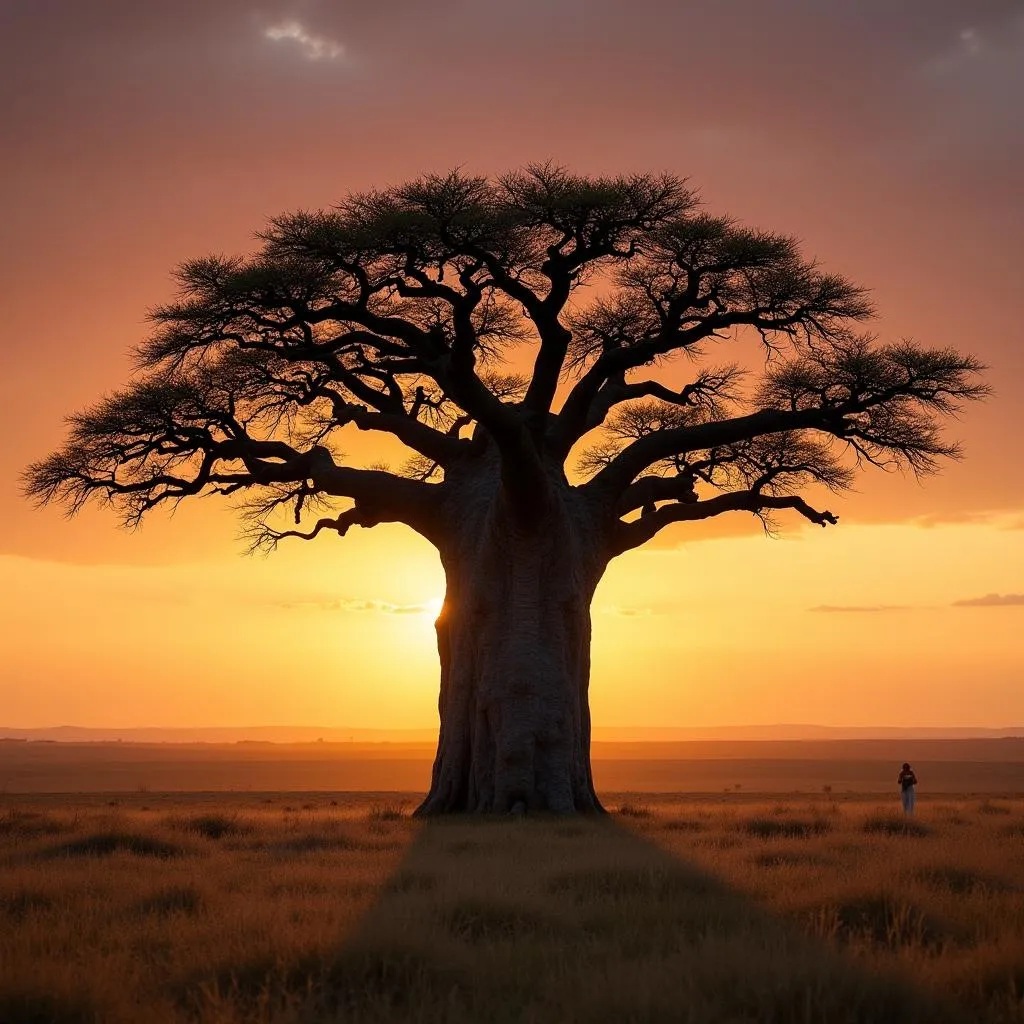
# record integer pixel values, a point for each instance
(513, 637)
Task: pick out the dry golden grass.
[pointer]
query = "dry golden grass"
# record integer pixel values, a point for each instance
(295, 909)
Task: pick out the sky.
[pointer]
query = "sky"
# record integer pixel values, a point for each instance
(888, 137)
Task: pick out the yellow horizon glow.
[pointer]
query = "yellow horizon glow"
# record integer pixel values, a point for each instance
(717, 632)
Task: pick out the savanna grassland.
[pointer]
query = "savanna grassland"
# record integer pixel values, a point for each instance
(247, 907)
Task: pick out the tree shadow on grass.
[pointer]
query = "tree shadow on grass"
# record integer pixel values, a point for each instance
(564, 921)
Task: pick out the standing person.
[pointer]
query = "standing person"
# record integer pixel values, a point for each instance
(907, 781)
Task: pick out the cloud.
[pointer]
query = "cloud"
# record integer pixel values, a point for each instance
(629, 612)
(639, 611)
(970, 41)
(345, 604)
(1000, 519)
(859, 608)
(314, 47)
(969, 46)
(991, 601)
(980, 70)
(383, 606)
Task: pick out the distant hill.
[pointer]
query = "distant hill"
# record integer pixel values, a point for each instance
(220, 734)
(765, 733)
(613, 734)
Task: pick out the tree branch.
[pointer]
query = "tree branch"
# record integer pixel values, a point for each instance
(880, 400)
(391, 311)
(640, 531)
(442, 448)
(265, 539)
(628, 464)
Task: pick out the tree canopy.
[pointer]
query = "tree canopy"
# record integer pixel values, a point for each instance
(526, 323)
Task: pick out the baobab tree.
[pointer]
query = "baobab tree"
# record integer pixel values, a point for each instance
(517, 335)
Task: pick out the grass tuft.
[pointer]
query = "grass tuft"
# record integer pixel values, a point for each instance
(174, 899)
(387, 812)
(990, 807)
(411, 881)
(589, 884)
(211, 826)
(893, 825)
(21, 1006)
(959, 881)
(316, 842)
(894, 924)
(25, 903)
(696, 911)
(683, 825)
(635, 810)
(355, 984)
(473, 920)
(103, 844)
(789, 859)
(774, 828)
(24, 824)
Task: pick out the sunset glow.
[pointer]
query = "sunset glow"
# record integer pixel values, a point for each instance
(901, 169)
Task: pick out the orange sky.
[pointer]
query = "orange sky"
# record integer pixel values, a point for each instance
(137, 135)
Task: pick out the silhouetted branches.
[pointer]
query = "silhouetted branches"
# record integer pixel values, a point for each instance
(403, 312)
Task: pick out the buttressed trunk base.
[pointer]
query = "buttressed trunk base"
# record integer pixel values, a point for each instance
(514, 642)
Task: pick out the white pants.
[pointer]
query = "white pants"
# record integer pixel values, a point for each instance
(908, 800)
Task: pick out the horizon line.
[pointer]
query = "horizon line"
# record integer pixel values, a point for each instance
(292, 734)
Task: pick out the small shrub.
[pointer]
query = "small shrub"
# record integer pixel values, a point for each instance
(316, 842)
(21, 824)
(477, 921)
(211, 826)
(175, 899)
(1000, 980)
(988, 807)
(892, 924)
(24, 903)
(719, 842)
(892, 825)
(411, 881)
(28, 1007)
(772, 828)
(633, 810)
(788, 858)
(103, 844)
(386, 812)
(586, 886)
(682, 825)
(360, 984)
(960, 881)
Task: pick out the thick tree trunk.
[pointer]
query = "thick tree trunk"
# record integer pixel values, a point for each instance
(514, 643)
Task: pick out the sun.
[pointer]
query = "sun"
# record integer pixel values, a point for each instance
(432, 607)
